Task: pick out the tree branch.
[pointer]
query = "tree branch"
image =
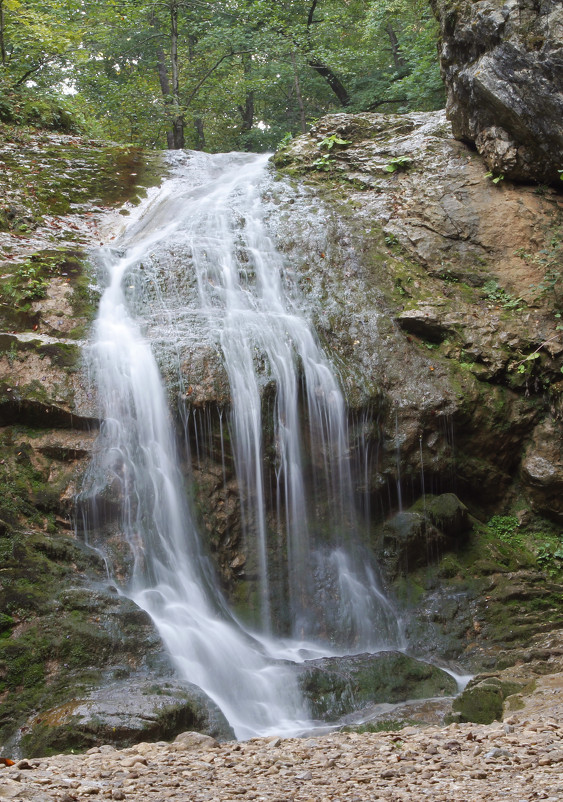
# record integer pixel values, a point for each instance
(28, 74)
(311, 13)
(200, 83)
(377, 103)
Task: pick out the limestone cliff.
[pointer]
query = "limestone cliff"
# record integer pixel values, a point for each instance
(437, 294)
(502, 63)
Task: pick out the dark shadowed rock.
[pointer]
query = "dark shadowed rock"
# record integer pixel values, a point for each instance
(503, 68)
(419, 535)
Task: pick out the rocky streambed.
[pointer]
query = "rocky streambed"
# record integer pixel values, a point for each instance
(519, 759)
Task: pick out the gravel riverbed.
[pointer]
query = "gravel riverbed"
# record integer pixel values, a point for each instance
(520, 758)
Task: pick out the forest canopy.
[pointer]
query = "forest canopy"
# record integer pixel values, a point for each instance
(212, 74)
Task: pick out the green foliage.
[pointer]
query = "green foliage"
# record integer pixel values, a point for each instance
(405, 76)
(285, 140)
(549, 556)
(324, 163)
(544, 548)
(30, 279)
(228, 73)
(498, 296)
(387, 725)
(549, 259)
(397, 164)
(332, 141)
(496, 179)
(504, 527)
(524, 364)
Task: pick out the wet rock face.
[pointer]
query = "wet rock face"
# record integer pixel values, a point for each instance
(426, 271)
(502, 65)
(61, 627)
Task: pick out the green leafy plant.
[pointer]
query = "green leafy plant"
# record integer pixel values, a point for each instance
(285, 140)
(549, 556)
(523, 366)
(504, 527)
(324, 163)
(330, 142)
(495, 178)
(497, 295)
(397, 164)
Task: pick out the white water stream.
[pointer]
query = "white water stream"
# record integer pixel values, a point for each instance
(224, 282)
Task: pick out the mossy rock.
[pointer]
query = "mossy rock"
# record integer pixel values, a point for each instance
(482, 700)
(448, 514)
(336, 686)
(124, 713)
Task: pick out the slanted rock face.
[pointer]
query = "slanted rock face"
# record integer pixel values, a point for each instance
(431, 280)
(542, 470)
(502, 65)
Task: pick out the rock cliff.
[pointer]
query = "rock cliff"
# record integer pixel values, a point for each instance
(502, 63)
(436, 292)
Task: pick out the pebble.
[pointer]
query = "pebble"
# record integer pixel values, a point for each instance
(464, 763)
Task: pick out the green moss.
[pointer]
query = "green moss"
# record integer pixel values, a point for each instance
(408, 590)
(388, 725)
(482, 701)
(93, 171)
(481, 705)
(28, 281)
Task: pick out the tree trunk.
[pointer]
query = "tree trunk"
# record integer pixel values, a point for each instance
(199, 134)
(333, 81)
(2, 43)
(163, 80)
(177, 119)
(398, 59)
(247, 111)
(298, 95)
(163, 73)
(325, 72)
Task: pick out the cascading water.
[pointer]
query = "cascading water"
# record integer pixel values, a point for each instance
(199, 265)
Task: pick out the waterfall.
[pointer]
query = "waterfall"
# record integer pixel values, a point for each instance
(197, 269)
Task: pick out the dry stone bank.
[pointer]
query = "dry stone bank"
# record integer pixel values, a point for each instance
(520, 758)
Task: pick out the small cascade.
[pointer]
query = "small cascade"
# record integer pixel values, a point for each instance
(197, 270)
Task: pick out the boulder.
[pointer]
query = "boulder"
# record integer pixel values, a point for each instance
(503, 70)
(542, 469)
(337, 686)
(126, 712)
(482, 700)
(448, 514)
(418, 536)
